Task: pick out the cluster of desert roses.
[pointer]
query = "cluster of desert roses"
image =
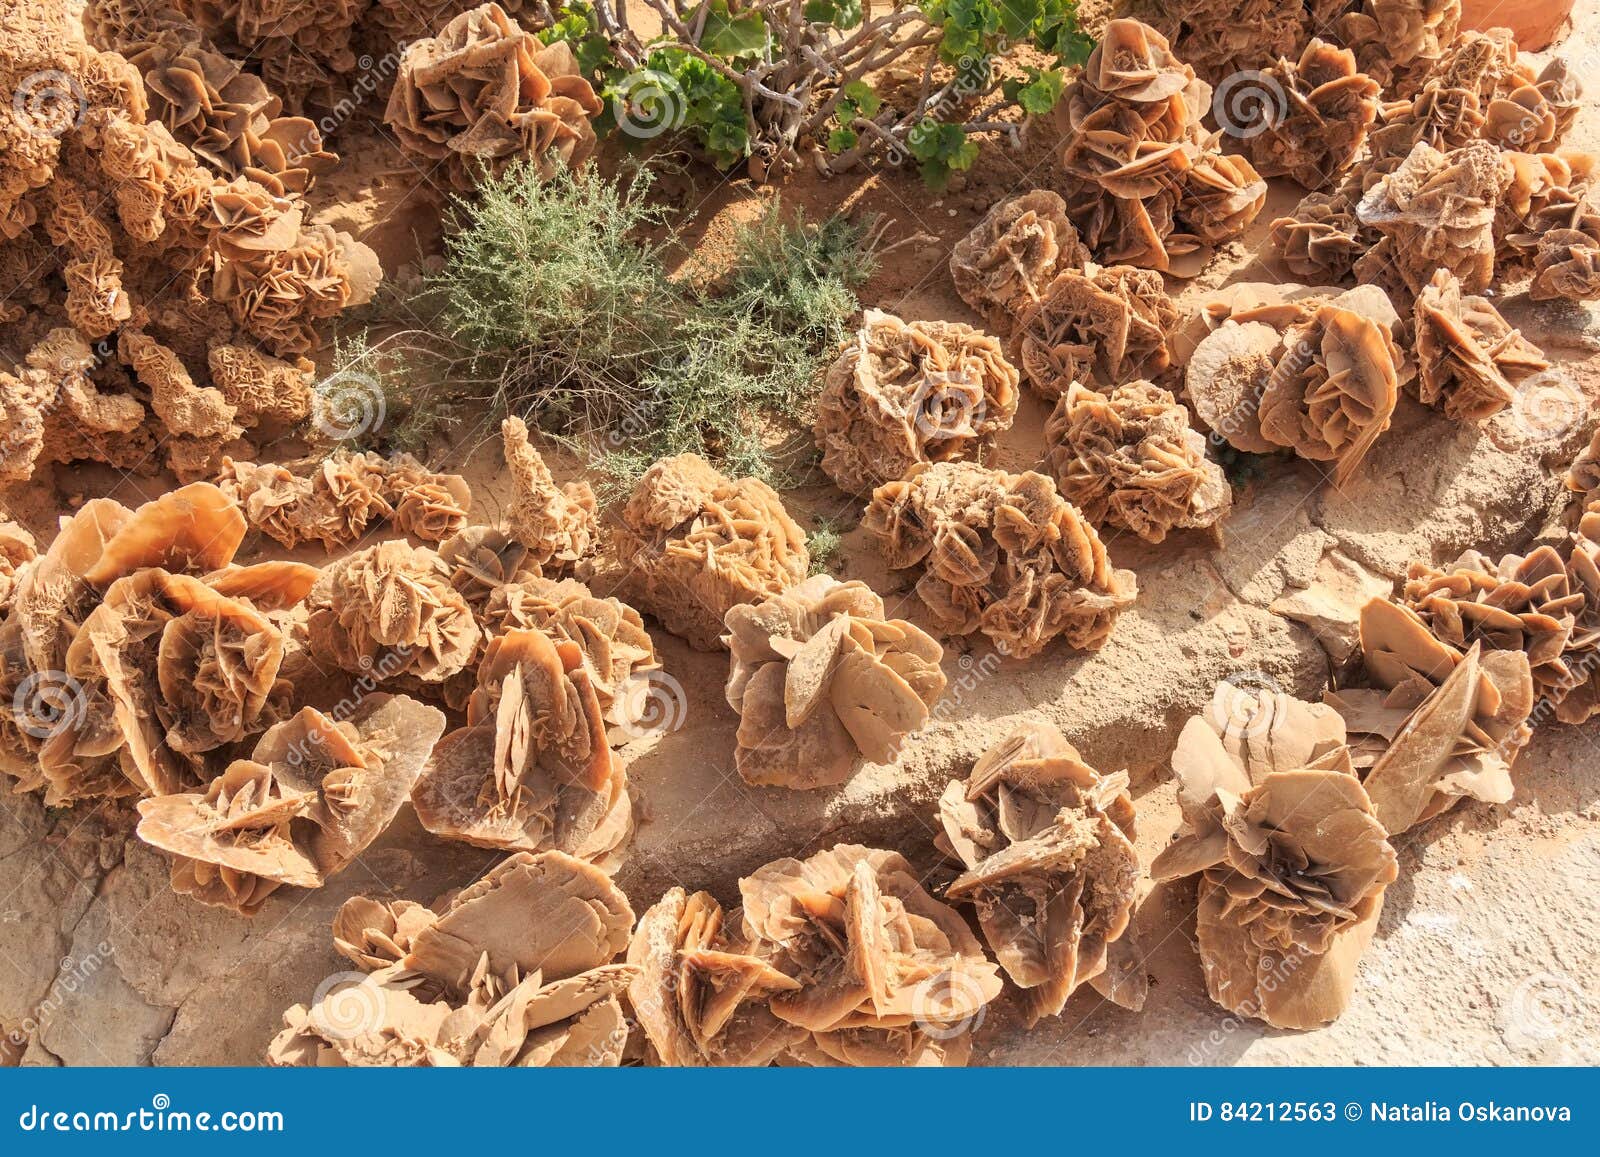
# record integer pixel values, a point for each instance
(472, 671)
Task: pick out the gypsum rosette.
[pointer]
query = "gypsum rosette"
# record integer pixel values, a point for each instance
(313, 796)
(227, 116)
(136, 648)
(390, 609)
(1046, 842)
(1222, 37)
(1470, 361)
(1013, 253)
(531, 770)
(1130, 459)
(1000, 553)
(884, 973)
(1321, 237)
(1291, 862)
(698, 543)
(516, 970)
(617, 652)
(1316, 371)
(279, 277)
(1144, 179)
(903, 392)
(1104, 324)
(1481, 91)
(483, 92)
(558, 524)
(1548, 226)
(1440, 726)
(1543, 605)
(304, 52)
(1315, 114)
(825, 682)
(702, 989)
(335, 501)
(1397, 42)
(1437, 211)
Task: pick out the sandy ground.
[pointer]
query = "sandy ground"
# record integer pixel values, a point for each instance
(1488, 948)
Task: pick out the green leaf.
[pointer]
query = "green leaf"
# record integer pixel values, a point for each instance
(727, 34)
(862, 97)
(1040, 94)
(841, 139)
(842, 14)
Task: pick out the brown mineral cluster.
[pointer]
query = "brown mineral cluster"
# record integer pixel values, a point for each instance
(1315, 371)
(313, 795)
(1543, 605)
(531, 770)
(516, 970)
(698, 544)
(133, 295)
(337, 500)
(703, 988)
(390, 610)
(1292, 862)
(1323, 107)
(617, 652)
(1130, 459)
(881, 972)
(1107, 324)
(483, 91)
(138, 660)
(1469, 360)
(904, 393)
(1223, 37)
(1000, 553)
(1046, 844)
(1437, 211)
(1440, 726)
(558, 524)
(824, 681)
(1013, 253)
(1143, 176)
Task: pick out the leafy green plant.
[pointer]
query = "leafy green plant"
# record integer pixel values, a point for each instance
(823, 545)
(551, 302)
(771, 81)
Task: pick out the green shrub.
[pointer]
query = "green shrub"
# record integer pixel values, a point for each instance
(552, 302)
